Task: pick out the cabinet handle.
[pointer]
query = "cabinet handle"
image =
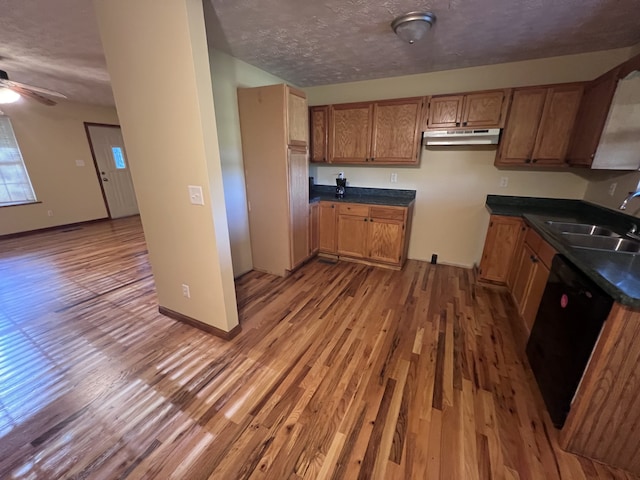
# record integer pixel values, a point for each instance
(324, 159)
(464, 124)
(534, 259)
(528, 160)
(333, 206)
(457, 124)
(534, 160)
(366, 159)
(372, 159)
(365, 219)
(371, 219)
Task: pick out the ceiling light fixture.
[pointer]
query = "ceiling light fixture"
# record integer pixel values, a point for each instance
(412, 26)
(8, 96)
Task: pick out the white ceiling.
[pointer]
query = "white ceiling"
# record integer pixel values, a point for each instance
(56, 45)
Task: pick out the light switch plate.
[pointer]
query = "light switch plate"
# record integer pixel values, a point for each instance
(79, 163)
(195, 195)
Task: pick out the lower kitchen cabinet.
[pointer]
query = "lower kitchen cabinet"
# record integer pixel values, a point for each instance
(500, 247)
(377, 234)
(532, 272)
(314, 226)
(327, 214)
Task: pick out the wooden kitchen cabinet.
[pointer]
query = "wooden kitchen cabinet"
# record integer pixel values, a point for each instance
(534, 263)
(353, 231)
(297, 125)
(274, 126)
(539, 126)
(314, 228)
(327, 214)
(385, 132)
(500, 247)
(370, 233)
(471, 110)
(591, 118)
(319, 141)
(396, 131)
(350, 128)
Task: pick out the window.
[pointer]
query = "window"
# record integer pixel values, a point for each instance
(15, 186)
(118, 158)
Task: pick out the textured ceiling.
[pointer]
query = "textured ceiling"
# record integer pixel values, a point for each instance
(332, 41)
(55, 43)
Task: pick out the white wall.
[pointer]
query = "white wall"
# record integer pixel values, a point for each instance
(51, 139)
(229, 73)
(452, 183)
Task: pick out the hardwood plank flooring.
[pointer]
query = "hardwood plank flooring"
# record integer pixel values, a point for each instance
(341, 371)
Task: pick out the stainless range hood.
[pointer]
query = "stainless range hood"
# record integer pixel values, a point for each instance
(462, 137)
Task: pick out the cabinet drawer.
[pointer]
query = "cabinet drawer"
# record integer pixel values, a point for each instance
(353, 209)
(546, 253)
(533, 240)
(387, 213)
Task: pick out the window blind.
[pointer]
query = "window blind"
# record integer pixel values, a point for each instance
(15, 186)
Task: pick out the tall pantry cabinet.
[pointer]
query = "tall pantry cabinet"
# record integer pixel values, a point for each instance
(275, 135)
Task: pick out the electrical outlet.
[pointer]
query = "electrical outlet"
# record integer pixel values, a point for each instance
(79, 163)
(612, 189)
(394, 178)
(185, 291)
(49, 213)
(504, 182)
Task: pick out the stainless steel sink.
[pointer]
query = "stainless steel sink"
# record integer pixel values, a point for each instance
(582, 228)
(596, 242)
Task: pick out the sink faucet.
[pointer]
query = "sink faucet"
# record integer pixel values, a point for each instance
(623, 205)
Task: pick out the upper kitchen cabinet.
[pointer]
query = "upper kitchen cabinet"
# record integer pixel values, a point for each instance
(350, 132)
(319, 122)
(396, 131)
(605, 115)
(591, 118)
(385, 132)
(273, 127)
(539, 125)
(472, 110)
(297, 111)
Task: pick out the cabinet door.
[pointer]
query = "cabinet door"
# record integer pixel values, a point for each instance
(386, 240)
(499, 248)
(537, 284)
(298, 205)
(327, 227)
(396, 131)
(590, 120)
(297, 117)
(350, 133)
(523, 279)
(352, 235)
(445, 111)
(319, 121)
(556, 125)
(314, 227)
(484, 109)
(521, 127)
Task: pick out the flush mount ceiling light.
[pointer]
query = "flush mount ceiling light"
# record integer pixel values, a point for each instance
(412, 26)
(8, 96)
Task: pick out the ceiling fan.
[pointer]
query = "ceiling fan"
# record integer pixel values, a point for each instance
(11, 91)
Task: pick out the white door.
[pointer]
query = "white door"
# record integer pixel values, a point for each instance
(113, 168)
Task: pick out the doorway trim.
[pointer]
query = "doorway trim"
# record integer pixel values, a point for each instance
(95, 161)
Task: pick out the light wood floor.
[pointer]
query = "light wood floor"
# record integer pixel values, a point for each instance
(341, 371)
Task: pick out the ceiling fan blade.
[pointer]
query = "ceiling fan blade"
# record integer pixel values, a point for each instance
(33, 95)
(45, 91)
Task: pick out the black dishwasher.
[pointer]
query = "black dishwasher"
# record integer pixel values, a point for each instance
(571, 314)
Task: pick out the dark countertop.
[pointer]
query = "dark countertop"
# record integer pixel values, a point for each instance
(618, 274)
(371, 196)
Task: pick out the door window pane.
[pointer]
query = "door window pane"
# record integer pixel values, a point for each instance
(118, 158)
